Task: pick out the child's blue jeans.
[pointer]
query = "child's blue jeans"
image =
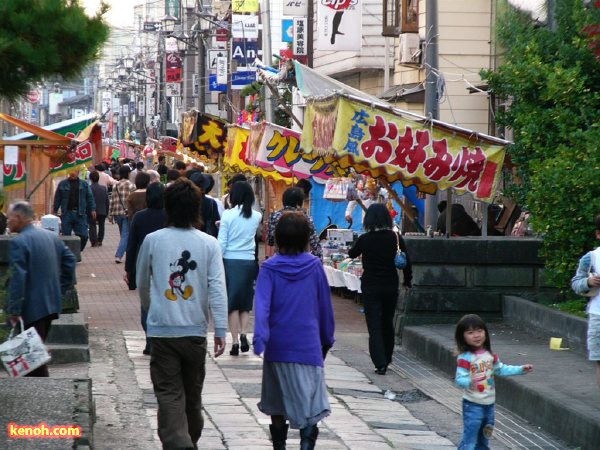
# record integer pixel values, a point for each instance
(475, 418)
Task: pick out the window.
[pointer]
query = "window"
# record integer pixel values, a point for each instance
(400, 16)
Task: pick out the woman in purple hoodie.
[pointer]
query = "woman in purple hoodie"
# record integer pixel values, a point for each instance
(294, 327)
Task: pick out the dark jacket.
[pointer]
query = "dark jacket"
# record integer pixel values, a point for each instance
(42, 269)
(143, 223)
(100, 194)
(378, 249)
(210, 215)
(86, 199)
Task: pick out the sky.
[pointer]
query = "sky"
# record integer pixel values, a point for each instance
(121, 11)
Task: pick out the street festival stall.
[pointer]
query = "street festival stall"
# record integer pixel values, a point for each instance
(35, 160)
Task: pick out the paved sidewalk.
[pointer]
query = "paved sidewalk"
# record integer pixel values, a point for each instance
(361, 417)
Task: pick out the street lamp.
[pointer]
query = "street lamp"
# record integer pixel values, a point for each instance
(168, 24)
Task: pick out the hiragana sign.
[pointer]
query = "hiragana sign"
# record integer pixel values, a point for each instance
(381, 143)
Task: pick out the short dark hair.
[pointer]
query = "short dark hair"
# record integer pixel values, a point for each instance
(124, 172)
(211, 184)
(94, 177)
(598, 222)
(182, 204)
(305, 185)
(162, 169)
(293, 197)
(155, 196)
(237, 177)
(179, 165)
(441, 206)
(139, 165)
(101, 167)
(173, 174)
(470, 322)
(161, 159)
(142, 179)
(241, 194)
(377, 217)
(292, 233)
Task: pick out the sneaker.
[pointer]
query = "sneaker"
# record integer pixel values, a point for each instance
(381, 370)
(118, 259)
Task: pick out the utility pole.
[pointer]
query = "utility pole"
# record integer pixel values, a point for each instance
(431, 91)
(201, 103)
(265, 19)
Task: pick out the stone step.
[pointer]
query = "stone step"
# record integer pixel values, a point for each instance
(69, 329)
(69, 353)
(559, 396)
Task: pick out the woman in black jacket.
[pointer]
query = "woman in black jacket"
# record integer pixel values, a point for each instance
(379, 282)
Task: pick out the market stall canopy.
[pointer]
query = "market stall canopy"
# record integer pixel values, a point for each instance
(385, 142)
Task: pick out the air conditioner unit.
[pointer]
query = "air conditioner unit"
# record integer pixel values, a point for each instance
(409, 50)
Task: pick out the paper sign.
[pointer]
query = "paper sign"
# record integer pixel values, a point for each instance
(244, 27)
(11, 154)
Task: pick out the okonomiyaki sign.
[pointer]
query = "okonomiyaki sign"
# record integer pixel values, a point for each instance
(398, 145)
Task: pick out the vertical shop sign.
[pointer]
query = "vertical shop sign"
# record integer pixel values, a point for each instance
(300, 36)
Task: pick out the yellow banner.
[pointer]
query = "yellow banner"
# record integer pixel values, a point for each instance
(380, 143)
(244, 6)
(236, 155)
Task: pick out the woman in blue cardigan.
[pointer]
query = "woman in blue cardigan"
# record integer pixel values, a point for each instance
(294, 327)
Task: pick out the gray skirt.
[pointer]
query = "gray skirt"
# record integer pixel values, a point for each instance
(239, 278)
(294, 391)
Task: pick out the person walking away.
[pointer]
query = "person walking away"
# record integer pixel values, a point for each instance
(42, 269)
(74, 198)
(144, 222)
(236, 236)
(379, 282)
(293, 198)
(100, 194)
(294, 327)
(180, 278)
(117, 211)
(476, 368)
(137, 199)
(587, 282)
(209, 208)
(218, 201)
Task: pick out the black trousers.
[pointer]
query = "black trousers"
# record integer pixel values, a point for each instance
(380, 307)
(42, 326)
(97, 229)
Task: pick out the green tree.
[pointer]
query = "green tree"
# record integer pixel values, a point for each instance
(550, 82)
(40, 38)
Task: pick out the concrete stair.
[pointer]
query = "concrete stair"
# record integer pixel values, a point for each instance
(68, 339)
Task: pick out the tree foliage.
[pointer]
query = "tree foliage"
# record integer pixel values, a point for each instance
(550, 82)
(40, 38)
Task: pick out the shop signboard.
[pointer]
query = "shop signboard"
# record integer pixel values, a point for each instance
(339, 25)
(378, 142)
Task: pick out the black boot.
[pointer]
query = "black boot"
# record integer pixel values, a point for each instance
(308, 437)
(278, 436)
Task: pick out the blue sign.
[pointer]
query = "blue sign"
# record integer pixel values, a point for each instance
(287, 30)
(213, 86)
(244, 51)
(238, 81)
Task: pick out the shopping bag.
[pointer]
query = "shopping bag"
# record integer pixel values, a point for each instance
(24, 352)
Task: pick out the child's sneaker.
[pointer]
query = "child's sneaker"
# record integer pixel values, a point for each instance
(488, 430)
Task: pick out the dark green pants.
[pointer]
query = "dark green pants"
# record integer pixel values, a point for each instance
(177, 369)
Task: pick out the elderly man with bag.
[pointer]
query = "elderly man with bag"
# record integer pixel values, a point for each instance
(42, 268)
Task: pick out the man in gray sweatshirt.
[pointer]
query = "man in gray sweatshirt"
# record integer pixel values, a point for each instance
(180, 276)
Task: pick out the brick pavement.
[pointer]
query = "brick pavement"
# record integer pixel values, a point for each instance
(126, 407)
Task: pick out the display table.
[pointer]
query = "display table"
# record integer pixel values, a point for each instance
(337, 278)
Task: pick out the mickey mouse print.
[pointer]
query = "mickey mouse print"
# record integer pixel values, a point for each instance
(179, 268)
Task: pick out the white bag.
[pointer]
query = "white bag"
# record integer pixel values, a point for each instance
(24, 352)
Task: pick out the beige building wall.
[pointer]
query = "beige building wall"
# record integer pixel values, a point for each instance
(464, 36)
